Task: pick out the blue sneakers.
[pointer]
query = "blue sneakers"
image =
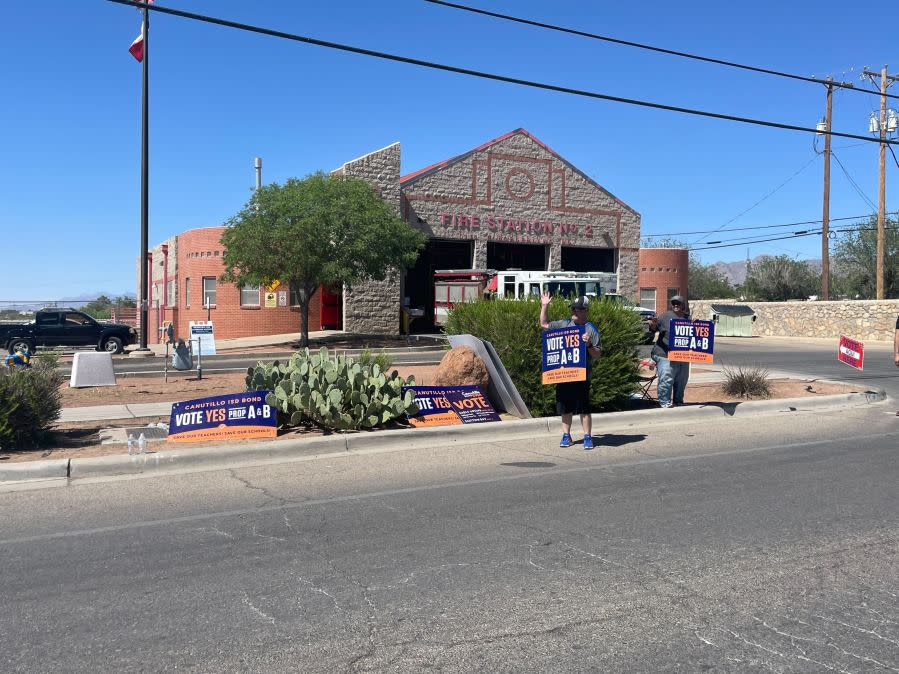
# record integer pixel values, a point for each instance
(566, 440)
(588, 442)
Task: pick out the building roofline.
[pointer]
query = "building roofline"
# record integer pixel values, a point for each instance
(427, 170)
(367, 154)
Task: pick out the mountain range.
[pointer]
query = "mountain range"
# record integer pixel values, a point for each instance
(735, 272)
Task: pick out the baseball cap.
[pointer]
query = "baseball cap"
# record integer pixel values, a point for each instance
(679, 299)
(580, 303)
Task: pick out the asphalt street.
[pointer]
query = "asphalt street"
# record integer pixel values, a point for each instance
(811, 359)
(743, 544)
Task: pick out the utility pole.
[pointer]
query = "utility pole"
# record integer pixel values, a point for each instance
(825, 215)
(886, 81)
(143, 302)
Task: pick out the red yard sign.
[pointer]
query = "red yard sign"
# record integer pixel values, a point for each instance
(851, 352)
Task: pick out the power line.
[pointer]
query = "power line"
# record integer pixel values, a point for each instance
(648, 47)
(816, 232)
(743, 229)
(775, 190)
(852, 182)
(485, 75)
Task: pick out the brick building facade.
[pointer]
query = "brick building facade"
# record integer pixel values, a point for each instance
(509, 203)
(184, 273)
(662, 274)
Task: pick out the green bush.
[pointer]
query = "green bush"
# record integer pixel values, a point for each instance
(746, 382)
(512, 327)
(29, 405)
(368, 358)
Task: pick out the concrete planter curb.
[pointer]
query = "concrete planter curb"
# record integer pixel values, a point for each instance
(34, 470)
(175, 457)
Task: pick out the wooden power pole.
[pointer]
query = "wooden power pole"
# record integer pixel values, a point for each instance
(885, 81)
(825, 215)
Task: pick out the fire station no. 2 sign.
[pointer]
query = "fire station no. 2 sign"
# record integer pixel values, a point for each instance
(564, 355)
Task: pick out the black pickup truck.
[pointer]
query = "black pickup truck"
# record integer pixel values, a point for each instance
(66, 327)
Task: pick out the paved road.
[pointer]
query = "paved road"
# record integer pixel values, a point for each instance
(763, 544)
(812, 358)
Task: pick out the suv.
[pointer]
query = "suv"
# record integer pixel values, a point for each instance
(66, 327)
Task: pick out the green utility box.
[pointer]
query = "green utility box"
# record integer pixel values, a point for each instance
(732, 320)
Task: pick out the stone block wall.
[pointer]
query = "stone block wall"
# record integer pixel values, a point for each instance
(373, 307)
(859, 319)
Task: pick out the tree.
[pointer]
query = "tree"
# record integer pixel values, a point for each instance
(322, 230)
(855, 261)
(706, 282)
(777, 279)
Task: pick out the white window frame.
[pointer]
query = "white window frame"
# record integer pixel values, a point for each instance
(187, 291)
(646, 303)
(249, 289)
(207, 294)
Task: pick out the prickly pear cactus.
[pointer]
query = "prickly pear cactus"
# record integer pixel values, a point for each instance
(333, 392)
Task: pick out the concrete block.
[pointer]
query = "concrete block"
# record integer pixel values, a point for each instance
(92, 369)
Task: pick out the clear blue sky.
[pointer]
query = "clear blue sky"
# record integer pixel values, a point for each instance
(70, 118)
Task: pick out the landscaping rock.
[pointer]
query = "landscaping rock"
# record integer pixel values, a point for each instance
(461, 366)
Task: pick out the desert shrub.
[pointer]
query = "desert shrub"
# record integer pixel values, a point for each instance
(49, 357)
(512, 327)
(746, 382)
(369, 358)
(29, 405)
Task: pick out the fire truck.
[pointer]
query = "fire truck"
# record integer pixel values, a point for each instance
(452, 286)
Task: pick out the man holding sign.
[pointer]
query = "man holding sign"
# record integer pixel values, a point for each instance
(573, 397)
(672, 375)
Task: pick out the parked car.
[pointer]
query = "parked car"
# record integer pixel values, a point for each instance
(66, 327)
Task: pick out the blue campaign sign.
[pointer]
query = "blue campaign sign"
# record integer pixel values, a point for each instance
(691, 341)
(565, 355)
(448, 405)
(232, 416)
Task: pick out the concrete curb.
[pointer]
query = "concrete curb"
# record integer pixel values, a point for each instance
(34, 470)
(176, 457)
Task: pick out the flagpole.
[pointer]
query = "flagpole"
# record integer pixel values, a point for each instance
(144, 182)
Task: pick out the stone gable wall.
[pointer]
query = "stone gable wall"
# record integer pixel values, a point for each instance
(859, 319)
(373, 307)
(518, 191)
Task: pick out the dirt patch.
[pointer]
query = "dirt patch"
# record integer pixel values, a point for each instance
(82, 439)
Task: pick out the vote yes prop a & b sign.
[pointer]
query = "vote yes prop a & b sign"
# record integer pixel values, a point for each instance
(691, 341)
(564, 355)
(227, 417)
(450, 405)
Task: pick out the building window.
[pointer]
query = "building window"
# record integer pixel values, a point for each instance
(208, 290)
(187, 292)
(672, 292)
(249, 296)
(648, 298)
(172, 294)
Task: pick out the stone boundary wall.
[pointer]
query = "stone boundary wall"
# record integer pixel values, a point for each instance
(859, 319)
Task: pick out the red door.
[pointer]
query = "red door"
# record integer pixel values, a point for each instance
(332, 314)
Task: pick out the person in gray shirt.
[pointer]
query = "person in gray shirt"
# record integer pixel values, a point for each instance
(672, 376)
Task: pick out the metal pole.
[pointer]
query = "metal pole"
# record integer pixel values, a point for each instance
(144, 181)
(825, 217)
(881, 196)
(258, 164)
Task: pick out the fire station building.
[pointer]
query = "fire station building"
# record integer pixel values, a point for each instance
(511, 203)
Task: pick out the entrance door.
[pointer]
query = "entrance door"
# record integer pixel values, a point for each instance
(331, 314)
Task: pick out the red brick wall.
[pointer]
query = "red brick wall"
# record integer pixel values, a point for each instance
(199, 254)
(662, 268)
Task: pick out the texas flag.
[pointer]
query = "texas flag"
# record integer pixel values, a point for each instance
(137, 47)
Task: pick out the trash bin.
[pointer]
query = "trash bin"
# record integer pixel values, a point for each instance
(732, 320)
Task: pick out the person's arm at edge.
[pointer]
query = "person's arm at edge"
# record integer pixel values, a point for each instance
(896, 344)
